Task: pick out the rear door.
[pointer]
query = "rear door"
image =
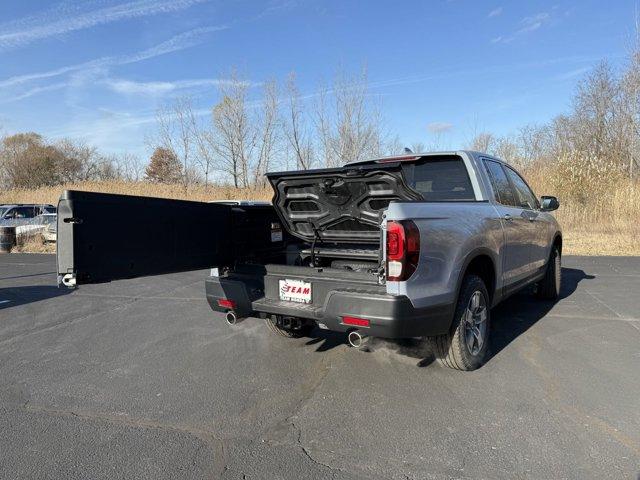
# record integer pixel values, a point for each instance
(518, 230)
(103, 237)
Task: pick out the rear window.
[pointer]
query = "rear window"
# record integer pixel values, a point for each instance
(440, 179)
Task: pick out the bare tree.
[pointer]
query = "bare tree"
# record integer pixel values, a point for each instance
(295, 127)
(418, 147)
(268, 132)
(630, 104)
(534, 142)
(175, 132)
(324, 129)
(348, 122)
(79, 161)
(128, 166)
(483, 142)
(204, 141)
(507, 149)
(233, 135)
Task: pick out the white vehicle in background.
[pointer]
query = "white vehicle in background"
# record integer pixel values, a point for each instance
(27, 218)
(50, 228)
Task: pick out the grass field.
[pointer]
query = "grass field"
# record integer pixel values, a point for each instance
(599, 216)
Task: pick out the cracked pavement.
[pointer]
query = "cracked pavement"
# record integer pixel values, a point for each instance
(140, 379)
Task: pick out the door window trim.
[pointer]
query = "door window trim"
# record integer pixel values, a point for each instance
(496, 194)
(515, 190)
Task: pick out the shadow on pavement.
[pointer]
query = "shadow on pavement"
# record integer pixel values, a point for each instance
(509, 320)
(16, 296)
(520, 312)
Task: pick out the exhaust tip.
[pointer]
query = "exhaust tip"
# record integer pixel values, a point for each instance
(231, 317)
(356, 339)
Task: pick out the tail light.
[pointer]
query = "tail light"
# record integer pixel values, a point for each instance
(226, 303)
(355, 321)
(403, 250)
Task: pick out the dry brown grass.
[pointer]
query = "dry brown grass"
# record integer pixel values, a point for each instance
(599, 212)
(599, 205)
(145, 189)
(33, 243)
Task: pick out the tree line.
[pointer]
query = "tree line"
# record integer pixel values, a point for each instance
(242, 137)
(28, 160)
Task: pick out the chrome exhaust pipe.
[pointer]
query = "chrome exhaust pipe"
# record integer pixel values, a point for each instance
(232, 318)
(357, 340)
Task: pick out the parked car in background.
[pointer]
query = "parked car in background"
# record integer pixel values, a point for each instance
(27, 218)
(50, 230)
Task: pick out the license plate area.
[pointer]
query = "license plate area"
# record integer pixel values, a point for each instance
(295, 291)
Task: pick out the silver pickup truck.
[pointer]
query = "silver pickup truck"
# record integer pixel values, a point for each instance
(411, 246)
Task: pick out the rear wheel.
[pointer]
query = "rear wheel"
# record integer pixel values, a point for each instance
(549, 287)
(289, 327)
(465, 346)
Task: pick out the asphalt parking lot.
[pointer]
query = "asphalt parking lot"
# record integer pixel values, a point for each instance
(139, 379)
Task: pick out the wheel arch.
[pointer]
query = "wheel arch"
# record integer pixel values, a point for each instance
(480, 262)
(557, 242)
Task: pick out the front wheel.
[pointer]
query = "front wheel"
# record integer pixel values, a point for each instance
(549, 287)
(465, 346)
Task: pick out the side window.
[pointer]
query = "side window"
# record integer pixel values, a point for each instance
(11, 213)
(526, 198)
(442, 180)
(24, 212)
(500, 183)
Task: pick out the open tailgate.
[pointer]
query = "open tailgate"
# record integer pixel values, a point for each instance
(338, 204)
(103, 236)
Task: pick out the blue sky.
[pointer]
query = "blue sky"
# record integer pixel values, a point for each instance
(98, 69)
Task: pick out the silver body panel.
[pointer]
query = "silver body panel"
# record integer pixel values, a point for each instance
(452, 233)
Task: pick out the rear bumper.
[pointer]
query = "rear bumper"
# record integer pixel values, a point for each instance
(389, 316)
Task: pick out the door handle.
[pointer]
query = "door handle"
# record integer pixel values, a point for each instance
(507, 217)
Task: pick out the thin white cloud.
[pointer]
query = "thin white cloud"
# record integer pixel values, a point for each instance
(480, 70)
(129, 87)
(66, 18)
(495, 12)
(184, 40)
(439, 127)
(573, 73)
(527, 25)
(533, 23)
(35, 91)
(178, 42)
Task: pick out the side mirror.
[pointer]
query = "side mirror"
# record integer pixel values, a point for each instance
(549, 204)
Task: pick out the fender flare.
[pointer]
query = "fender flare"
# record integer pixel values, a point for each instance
(472, 255)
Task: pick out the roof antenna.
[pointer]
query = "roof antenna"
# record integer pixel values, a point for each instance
(407, 150)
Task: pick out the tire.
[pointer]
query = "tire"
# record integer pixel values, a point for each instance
(303, 331)
(465, 347)
(549, 287)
